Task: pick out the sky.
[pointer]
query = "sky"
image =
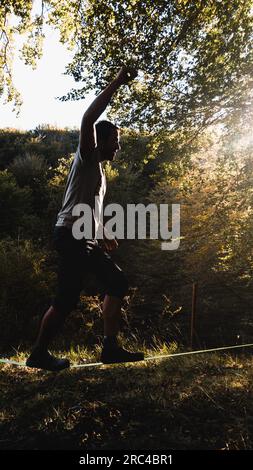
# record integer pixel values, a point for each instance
(40, 87)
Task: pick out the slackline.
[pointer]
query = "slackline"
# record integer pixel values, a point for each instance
(97, 364)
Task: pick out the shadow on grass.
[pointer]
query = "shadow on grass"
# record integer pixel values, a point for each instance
(195, 403)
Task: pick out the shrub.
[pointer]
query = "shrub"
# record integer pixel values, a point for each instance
(26, 286)
(15, 203)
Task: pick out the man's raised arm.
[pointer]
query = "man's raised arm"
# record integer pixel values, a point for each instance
(98, 106)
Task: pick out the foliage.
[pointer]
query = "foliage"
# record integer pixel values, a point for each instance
(26, 284)
(15, 204)
(47, 142)
(194, 57)
(215, 194)
(194, 63)
(211, 177)
(29, 170)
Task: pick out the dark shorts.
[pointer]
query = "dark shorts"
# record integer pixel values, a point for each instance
(76, 259)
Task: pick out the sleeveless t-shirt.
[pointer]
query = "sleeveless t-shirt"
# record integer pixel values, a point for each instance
(86, 184)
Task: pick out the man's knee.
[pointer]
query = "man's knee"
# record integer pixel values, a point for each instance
(123, 285)
(65, 305)
(120, 286)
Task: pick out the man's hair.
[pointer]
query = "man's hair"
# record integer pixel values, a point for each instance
(104, 129)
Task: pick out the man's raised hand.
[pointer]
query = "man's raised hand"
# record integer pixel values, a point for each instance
(126, 74)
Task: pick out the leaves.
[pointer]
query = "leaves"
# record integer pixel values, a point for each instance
(195, 57)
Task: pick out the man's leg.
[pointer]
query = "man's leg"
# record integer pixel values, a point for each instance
(111, 315)
(70, 275)
(112, 352)
(116, 286)
(40, 357)
(49, 327)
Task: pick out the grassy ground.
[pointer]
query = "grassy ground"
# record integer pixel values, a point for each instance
(193, 402)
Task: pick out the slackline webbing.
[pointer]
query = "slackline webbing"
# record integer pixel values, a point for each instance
(96, 364)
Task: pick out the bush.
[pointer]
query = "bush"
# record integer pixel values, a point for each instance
(26, 286)
(31, 171)
(15, 203)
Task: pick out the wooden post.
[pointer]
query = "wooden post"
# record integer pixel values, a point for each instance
(193, 315)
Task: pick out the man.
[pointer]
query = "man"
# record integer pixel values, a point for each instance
(85, 185)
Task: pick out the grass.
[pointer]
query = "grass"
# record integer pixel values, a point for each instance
(191, 402)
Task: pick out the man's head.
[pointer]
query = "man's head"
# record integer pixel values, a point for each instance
(107, 139)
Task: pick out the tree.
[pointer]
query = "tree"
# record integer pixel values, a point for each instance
(21, 9)
(15, 205)
(195, 57)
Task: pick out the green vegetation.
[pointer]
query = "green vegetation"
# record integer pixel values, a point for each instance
(195, 57)
(211, 179)
(202, 402)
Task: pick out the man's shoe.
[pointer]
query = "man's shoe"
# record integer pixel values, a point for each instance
(46, 361)
(117, 355)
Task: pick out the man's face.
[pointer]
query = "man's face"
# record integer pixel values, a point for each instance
(111, 146)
